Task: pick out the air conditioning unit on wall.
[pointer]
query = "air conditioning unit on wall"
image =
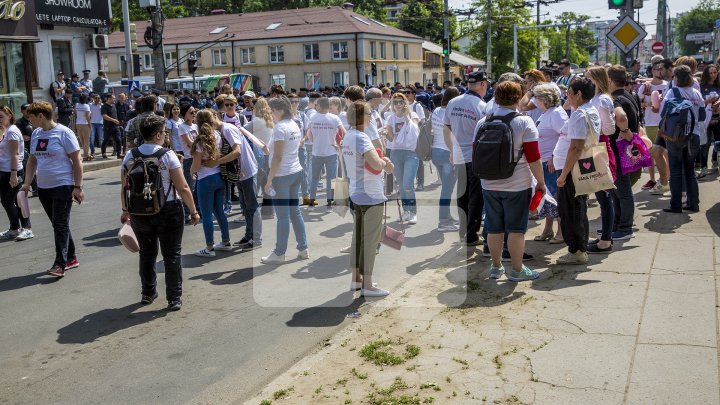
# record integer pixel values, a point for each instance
(99, 41)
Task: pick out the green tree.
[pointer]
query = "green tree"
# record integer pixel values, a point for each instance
(700, 19)
(172, 9)
(424, 19)
(504, 13)
(579, 43)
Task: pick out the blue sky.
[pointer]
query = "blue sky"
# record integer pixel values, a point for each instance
(599, 9)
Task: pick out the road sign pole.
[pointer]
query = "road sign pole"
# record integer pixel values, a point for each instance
(627, 56)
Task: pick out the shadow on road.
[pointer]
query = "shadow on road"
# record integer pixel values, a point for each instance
(713, 218)
(103, 239)
(106, 322)
(16, 283)
(324, 267)
(331, 313)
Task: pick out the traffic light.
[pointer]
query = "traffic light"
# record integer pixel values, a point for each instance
(446, 46)
(617, 4)
(192, 65)
(373, 69)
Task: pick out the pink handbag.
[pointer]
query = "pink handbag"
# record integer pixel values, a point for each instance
(391, 237)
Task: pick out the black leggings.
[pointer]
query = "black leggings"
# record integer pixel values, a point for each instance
(8, 196)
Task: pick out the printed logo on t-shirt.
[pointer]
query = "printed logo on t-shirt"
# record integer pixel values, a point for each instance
(42, 145)
(586, 165)
(399, 126)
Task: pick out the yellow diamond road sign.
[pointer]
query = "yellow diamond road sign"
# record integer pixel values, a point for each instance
(626, 34)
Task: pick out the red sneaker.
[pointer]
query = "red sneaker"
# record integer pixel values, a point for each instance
(650, 184)
(71, 264)
(56, 271)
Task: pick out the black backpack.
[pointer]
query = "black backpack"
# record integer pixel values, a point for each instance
(493, 150)
(230, 171)
(144, 193)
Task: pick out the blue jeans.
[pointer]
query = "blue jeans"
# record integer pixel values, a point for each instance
(187, 163)
(682, 169)
(249, 205)
(211, 196)
(624, 201)
(304, 155)
(287, 209)
(607, 213)
(330, 164)
(441, 160)
(406, 165)
(97, 133)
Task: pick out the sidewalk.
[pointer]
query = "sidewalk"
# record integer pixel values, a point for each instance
(638, 326)
(100, 163)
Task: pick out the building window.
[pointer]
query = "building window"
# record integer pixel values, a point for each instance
(394, 51)
(339, 50)
(277, 55)
(13, 83)
(247, 56)
(406, 51)
(121, 62)
(396, 76)
(312, 52)
(219, 57)
(406, 76)
(277, 79)
(341, 78)
(373, 51)
(147, 61)
(312, 81)
(170, 58)
(382, 50)
(383, 76)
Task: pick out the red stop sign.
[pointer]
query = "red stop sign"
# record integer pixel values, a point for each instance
(658, 47)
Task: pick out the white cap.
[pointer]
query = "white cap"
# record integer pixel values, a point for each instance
(249, 94)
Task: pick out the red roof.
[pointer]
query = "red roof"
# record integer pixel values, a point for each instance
(318, 21)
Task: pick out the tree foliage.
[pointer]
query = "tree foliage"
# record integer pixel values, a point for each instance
(700, 19)
(578, 44)
(424, 19)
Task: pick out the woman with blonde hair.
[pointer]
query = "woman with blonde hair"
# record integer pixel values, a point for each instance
(603, 103)
(210, 186)
(261, 126)
(402, 129)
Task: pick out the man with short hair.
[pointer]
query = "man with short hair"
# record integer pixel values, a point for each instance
(147, 105)
(86, 82)
(197, 102)
(122, 106)
(627, 122)
(652, 123)
(249, 103)
(111, 126)
(76, 87)
(566, 75)
(635, 69)
(304, 100)
(100, 82)
(461, 116)
(65, 108)
(58, 87)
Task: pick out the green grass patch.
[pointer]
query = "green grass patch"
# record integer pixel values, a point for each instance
(279, 394)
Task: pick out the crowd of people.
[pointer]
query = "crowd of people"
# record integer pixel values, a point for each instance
(203, 151)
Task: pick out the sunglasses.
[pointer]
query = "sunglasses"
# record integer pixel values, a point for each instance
(407, 92)
(229, 104)
(193, 112)
(399, 102)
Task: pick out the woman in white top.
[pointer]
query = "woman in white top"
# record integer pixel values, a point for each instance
(284, 179)
(11, 176)
(82, 125)
(97, 129)
(401, 127)
(441, 159)
(365, 171)
(165, 227)
(172, 123)
(187, 131)
(603, 103)
(55, 157)
(261, 126)
(549, 124)
(210, 185)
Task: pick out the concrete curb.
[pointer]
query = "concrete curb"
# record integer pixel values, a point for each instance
(101, 164)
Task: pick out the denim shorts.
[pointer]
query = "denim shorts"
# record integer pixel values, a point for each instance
(507, 211)
(551, 180)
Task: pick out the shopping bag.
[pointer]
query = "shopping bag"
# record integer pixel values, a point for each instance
(634, 155)
(591, 173)
(341, 191)
(127, 238)
(389, 236)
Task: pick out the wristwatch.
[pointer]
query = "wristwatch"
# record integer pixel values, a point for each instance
(78, 187)
(625, 130)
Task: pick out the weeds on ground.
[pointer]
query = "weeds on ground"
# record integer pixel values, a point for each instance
(372, 352)
(279, 394)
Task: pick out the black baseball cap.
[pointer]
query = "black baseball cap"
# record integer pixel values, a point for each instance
(86, 71)
(476, 77)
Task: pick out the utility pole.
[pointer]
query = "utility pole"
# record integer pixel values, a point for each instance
(537, 22)
(488, 35)
(156, 17)
(129, 62)
(627, 58)
(446, 35)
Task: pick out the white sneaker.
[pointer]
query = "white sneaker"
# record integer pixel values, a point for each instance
(204, 252)
(9, 234)
(573, 258)
(25, 234)
(406, 216)
(375, 292)
(345, 249)
(273, 259)
(659, 189)
(303, 254)
(223, 247)
(412, 220)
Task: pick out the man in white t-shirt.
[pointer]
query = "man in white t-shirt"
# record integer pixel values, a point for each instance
(416, 107)
(461, 116)
(323, 129)
(652, 121)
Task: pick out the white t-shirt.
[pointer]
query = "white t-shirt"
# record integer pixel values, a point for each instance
(462, 115)
(438, 128)
(192, 132)
(168, 161)
(404, 138)
(324, 128)
(11, 134)
(205, 171)
(576, 128)
(81, 109)
(652, 119)
(366, 188)
(606, 109)
(260, 129)
(95, 113)
(51, 149)
(247, 161)
(309, 112)
(288, 132)
(523, 130)
(172, 126)
(418, 109)
(344, 120)
(549, 125)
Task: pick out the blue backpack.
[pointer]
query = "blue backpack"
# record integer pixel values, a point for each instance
(677, 118)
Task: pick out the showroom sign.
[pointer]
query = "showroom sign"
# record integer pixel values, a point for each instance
(74, 13)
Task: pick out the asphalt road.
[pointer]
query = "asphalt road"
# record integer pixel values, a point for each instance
(86, 339)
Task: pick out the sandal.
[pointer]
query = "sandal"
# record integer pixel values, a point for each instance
(555, 241)
(543, 237)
